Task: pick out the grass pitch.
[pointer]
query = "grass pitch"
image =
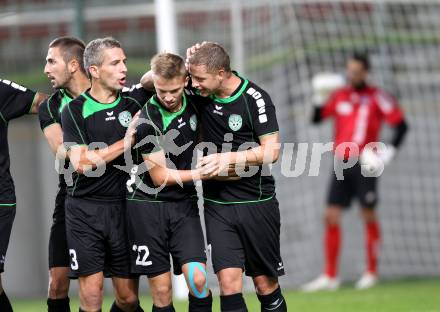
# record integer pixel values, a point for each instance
(402, 296)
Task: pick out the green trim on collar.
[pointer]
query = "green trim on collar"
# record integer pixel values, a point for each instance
(91, 106)
(167, 116)
(235, 96)
(66, 99)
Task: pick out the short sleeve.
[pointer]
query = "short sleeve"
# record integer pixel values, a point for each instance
(15, 100)
(138, 93)
(46, 114)
(264, 118)
(73, 125)
(389, 108)
(148, 132)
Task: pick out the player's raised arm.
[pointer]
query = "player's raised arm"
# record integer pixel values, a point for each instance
(25, 100)
(324, 86)
(38, 100)
(147, 81)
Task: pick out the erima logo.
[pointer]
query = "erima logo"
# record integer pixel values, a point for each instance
(217, 110)
(280, 266)
(110, 116)
(180, 123)
(262, 117)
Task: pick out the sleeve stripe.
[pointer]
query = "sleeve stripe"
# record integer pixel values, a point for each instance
(79, 131)
(3, 118)
(266, 134)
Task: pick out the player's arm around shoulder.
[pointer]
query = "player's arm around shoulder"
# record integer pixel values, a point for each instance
(147, 81)
(38, 101)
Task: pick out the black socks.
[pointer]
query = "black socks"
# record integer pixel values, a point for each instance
(58, 305)
(5, 305)
(200, 304)
(233, 303)
(273, 302)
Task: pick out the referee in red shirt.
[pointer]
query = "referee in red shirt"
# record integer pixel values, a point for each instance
(359, 109)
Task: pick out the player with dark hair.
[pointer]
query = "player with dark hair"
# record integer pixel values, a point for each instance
(163, 217)
(242, 216)
(94, 127)
(15, 101)
(65, 69)
(359, 109)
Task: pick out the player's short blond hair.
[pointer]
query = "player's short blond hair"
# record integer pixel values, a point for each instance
(213, 56)
(168, 66)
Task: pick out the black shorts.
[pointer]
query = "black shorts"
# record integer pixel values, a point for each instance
(354, 184)
(97, 238)
(7, 216)
(158, 229)
(245, 236)
(58, 251)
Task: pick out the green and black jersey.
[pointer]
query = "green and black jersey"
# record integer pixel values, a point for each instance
(50, 114)
(242, 119)
(15, 101)
(176, 134)
(88, 122)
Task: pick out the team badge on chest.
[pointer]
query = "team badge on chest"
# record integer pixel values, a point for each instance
(124, 118)
(235, 122)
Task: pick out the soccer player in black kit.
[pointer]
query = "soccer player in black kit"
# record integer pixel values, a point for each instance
(163, 217)
(15, 101)
(242, 216)
(94, 127)
(64, 67)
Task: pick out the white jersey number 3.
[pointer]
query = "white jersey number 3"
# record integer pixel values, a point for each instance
(74, 261)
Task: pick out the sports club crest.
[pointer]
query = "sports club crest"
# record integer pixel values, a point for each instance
(124, 118)
(235, 122)
(193, 122)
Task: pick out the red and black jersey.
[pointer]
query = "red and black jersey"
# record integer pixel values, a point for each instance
(15, 101)
(359, 115)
